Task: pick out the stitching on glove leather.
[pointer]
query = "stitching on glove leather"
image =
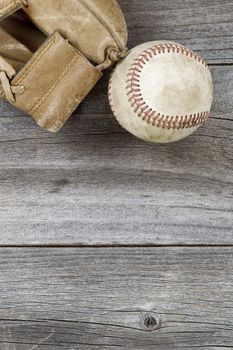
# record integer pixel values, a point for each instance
(54, 85)
(61, 118)
(34, 61)
(10, 6)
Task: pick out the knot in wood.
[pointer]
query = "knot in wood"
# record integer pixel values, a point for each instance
(151, 322)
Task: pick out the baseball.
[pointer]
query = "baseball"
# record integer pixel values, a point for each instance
(161, 92)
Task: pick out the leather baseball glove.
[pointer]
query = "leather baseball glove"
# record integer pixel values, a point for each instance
(12, 50)
(84, 37)
(19, 39)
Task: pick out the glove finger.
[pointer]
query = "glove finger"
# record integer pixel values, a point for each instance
(94, 27)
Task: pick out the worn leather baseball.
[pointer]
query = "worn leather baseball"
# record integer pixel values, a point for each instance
(161, 92)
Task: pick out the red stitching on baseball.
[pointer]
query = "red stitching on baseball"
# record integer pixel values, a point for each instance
(135, 97)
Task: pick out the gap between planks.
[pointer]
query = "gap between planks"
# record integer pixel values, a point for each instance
(116, 246)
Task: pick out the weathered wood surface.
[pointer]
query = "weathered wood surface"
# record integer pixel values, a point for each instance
(93, 183)
(206, 26)
(92, 299)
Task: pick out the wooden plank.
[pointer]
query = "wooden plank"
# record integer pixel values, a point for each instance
(206, 26)
(93, 183)
(99, 298)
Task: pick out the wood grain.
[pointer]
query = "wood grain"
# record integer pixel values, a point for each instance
(93, 183)
(99, 298)
(206, 26)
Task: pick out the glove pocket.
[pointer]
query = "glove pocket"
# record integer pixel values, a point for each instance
(55, 81)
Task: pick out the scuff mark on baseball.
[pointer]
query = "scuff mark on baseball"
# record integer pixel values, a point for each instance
(161, 92)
